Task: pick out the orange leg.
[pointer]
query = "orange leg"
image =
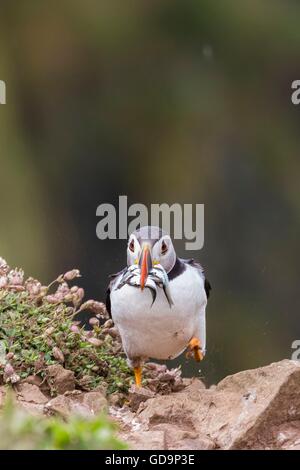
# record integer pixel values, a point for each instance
(195, 347)
(138, 376)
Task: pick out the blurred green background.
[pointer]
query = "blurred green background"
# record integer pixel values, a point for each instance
(164, 101)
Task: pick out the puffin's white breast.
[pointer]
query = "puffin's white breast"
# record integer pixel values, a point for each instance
(159, 331)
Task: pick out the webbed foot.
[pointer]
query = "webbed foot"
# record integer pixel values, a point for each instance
(194, 348)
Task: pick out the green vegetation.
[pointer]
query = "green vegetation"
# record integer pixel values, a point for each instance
(38, 329)
(19, 430)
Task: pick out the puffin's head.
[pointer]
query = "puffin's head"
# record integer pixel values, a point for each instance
(149, 246)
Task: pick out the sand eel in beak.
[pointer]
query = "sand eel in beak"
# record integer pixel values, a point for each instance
(158, 301)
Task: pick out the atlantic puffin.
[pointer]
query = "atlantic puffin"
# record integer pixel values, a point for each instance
(158, 302)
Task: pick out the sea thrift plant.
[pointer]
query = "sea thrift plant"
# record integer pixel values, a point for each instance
(39, 327)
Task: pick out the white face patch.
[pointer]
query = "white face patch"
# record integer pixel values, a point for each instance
(133, 250)
(163, 252)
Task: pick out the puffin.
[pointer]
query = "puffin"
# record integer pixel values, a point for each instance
(158, 301)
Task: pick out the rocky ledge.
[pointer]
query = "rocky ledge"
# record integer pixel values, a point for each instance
(253, 409)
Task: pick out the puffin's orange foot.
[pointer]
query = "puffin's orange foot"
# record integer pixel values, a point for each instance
(138, 376)
(195, 348)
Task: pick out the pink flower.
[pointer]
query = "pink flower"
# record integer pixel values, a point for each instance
(75, 329)
(4, 268)
(3, 282)
(33, 286)
(70, 275)
(16, 277)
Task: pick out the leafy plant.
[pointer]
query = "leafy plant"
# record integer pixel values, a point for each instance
(38, 328)
(19, 430)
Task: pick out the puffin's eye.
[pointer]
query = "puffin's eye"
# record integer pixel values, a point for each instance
(164, 248)
(131, 246)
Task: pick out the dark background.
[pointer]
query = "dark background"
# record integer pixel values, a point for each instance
(163, 101)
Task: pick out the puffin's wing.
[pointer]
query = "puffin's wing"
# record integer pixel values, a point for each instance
(114, 278)
(198, 266)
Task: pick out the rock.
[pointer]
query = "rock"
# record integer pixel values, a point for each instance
(254, 409)
(287, 435)
(85, 404)
(162, 380)
(138, 395)
(176, 409)
(94, 401)
(147, 440)
(30, 393)
(60, 380)
(32, 408)
(125, 418)
(116, 399)
(177, 439)
(265, 398)
(38, 381)
(193, 386)
(63, 406)
(33, 380)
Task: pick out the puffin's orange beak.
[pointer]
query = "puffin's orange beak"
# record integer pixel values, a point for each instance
(145, 264)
